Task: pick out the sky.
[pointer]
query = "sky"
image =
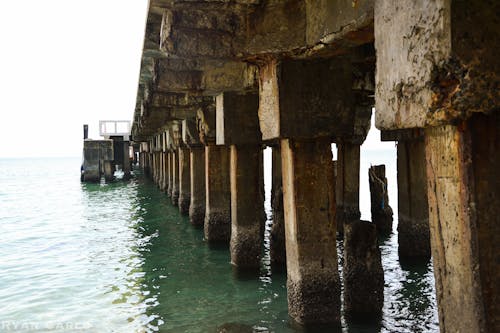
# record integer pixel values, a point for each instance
(64, 63)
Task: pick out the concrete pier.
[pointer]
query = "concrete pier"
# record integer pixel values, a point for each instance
(184, 180)
(197, 172)
(312, 64)
(97, 155)
(217, 225)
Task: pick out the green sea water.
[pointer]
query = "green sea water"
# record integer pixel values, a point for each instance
(120, 258)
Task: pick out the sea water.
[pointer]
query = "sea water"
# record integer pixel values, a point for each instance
(119, 257)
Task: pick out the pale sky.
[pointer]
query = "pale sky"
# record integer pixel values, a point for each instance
(64, 63)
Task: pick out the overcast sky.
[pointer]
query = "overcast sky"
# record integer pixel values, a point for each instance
(64, 63)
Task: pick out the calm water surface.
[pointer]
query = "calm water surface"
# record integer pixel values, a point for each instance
(119, 258)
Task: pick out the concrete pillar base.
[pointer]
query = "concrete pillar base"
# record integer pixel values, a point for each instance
(413, 209)
(174, 196)
(363, 273)
(247, 205)
(217, 226)
(197, 173)
(184, 181)
(313, 283)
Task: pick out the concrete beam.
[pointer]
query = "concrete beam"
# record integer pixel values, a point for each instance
(313, 99)
(447, 68)
(237, 121)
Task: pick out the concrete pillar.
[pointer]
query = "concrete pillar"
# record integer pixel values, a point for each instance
(175, 178)
(247, 205)
(109, 170)
(165, 171)
(277, 242)
(197, 171)
(155, 167)
(413, 210)
(309, 203)
(380, 209)
(184, 180)
(464, 190)
(217, 225)
(347, 184)
(126, 160)
(169, 173)
(150, 164)
(363, 273)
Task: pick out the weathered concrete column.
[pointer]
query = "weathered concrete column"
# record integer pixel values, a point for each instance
(347, 183)
(278, 248)
(464, 191)
(164, 183)
(380, 208)
(413, 210)
(109, 170)
(447, 83)
(197, 206)
(175, 178)
(247, 205)
(126, 160)
(150, 164)
(237, 125)
(184, 180)
(169, 173)
(307, 105)
(217, 225)
(363, 274)
(309, 200)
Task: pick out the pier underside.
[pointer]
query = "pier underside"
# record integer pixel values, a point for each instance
(220, 80)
